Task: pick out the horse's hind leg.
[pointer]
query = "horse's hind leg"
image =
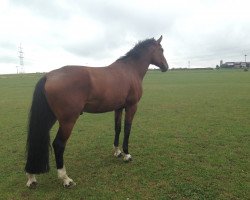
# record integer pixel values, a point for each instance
(118, 118)
(59, 146)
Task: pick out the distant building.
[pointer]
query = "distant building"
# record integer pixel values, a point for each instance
(236, 65)
(221, 62)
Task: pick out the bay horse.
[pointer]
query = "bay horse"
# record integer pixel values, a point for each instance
(64, 94)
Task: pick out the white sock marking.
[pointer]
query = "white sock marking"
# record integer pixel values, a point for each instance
(62, 174)
(31, 179)
(117, 152)
(127, 157)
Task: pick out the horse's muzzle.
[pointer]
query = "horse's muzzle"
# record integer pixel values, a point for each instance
(164, 67)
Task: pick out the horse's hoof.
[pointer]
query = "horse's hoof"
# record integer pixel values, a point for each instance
(32, 185)
(127, 158)
(117, 153)
(119, 156)
(69, 185)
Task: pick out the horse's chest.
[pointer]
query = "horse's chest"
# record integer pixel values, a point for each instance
(134, 95)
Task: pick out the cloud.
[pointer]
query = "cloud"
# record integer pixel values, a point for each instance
(48, 9)
(8, 59)
(202, 32)
(113, 25)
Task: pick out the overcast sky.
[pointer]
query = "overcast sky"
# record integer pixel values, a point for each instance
(54, 33)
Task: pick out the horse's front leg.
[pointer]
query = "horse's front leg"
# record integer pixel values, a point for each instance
(59, 146)
(118, 119)
(129, 116)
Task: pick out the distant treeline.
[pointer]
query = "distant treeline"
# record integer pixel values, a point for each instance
(182, 69)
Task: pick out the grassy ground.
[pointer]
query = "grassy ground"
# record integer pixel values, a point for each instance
(190, 140)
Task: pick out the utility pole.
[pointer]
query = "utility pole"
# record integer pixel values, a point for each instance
(20, 51)
(246, 66)
(188, 64)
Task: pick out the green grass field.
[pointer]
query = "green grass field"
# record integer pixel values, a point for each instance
(190, 140)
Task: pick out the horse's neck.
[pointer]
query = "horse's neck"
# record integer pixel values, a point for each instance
(137, 67)
(141, 68)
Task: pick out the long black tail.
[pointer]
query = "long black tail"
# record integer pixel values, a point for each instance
(41, 119)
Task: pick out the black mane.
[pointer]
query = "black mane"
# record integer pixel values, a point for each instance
(138, 49)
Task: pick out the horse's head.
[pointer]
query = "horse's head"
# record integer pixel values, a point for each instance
(158, 58)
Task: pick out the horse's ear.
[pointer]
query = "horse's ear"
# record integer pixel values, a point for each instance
(159, 40)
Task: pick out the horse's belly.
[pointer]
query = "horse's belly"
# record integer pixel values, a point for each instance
(101, 107)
